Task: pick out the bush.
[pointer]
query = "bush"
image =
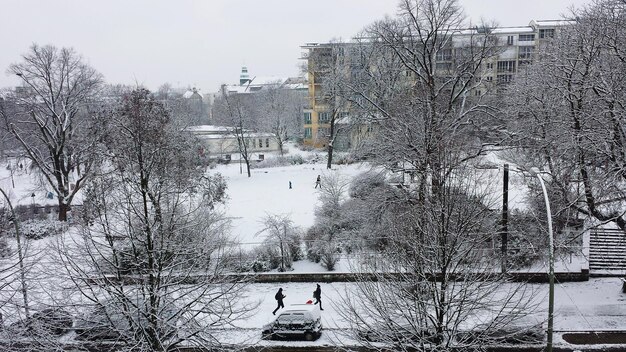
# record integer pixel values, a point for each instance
(5, 250)
(279, 161)
(343, 159)
(329, 257)
(37, 229)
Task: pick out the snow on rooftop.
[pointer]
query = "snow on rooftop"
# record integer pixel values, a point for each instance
(268, 80)
(207, 128)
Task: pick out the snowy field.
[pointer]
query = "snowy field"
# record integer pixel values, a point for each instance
(267, 192)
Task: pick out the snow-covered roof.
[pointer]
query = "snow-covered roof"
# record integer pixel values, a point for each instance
(212, 131)
(192, 92)
(269, 80)
(521, 29)
(551, 23)
(207, 128)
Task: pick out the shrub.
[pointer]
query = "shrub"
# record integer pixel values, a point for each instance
(5, 250)
(279, 161)
(37, 229)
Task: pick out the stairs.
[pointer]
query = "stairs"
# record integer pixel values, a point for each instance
(607, 250)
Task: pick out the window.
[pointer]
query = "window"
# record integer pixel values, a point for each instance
(546, 33)
(490, 65)
(267, 142)
(506, 66)
(526, 37)
(307, 118)
(509, 40)
(323, 116)
(526, 52)
(260, 143)
(253, 143)
(444, 55)
(443, 66)
(307, 133)
(504, 78)
(489, 78)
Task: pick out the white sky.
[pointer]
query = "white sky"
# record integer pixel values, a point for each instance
(204, 43)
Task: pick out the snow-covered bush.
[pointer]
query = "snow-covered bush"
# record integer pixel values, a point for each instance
(343, 159)
(279, 161)
(37, 229)
(5, 250)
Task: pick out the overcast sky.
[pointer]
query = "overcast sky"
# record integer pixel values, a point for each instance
(204, 43)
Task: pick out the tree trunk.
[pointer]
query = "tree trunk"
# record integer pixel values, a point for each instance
(329, 162)
(63, 208)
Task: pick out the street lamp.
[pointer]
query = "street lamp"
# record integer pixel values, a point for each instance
(534, 171)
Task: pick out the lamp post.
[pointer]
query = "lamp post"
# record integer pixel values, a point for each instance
(536, 172)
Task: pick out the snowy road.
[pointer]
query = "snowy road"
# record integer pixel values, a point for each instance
(594, 305)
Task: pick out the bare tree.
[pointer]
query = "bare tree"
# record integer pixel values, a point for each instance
(569, 117)
(418, 81)
(325, 237)
(234, 111)
(280, 229)
(49, 117)
(437, 285)
(280, 111)
(328, 67)
(147, 259)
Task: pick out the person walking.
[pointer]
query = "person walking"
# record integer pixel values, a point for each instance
(279, 297)
(318, 181)
(317, 294)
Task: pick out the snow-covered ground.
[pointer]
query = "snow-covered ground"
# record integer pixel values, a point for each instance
(267, 192)
(594, 305)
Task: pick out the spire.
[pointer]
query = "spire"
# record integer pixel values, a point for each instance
(244, 77)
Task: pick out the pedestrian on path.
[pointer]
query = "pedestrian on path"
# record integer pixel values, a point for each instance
(318, 181)
(279, 297)
(317, 294)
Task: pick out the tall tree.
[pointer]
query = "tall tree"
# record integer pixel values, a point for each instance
(568, 114)
(152, 216)
(327, 66)
(236, 112)
(446, 292)
(50, 117)
(420, 85)
(280, 111)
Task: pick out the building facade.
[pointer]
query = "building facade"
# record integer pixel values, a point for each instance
(516, 48)
(220, 141)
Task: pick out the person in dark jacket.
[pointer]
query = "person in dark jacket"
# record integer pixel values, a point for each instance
(317, 294)
(279, 297)
(318, 181)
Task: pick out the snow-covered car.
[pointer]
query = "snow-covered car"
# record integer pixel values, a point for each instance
(296, 321)
(50, 321)
(110, 321)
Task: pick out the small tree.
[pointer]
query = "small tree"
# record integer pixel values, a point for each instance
(280, 229)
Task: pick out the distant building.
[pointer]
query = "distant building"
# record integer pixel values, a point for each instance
(220, 141)
(257, 83)
(517, 48)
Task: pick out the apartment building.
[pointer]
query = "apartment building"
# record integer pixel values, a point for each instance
(517, 46)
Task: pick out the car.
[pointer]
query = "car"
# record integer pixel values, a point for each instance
(110, 320)
(49, 321)
(296, 321)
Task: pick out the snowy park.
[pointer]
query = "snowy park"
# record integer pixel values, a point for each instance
(402, 175)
